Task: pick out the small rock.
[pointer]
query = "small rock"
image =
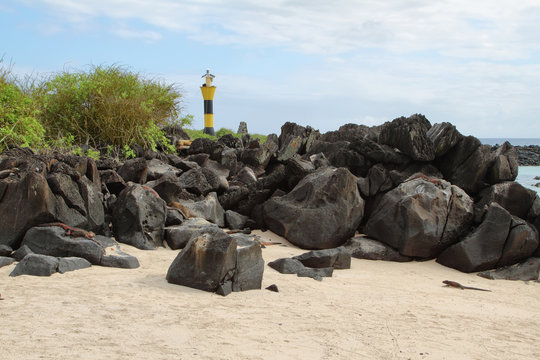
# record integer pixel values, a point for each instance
(273, 288)
(36, 265)
(5, 261)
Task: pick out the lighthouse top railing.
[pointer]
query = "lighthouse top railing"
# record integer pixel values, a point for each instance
(209, 78)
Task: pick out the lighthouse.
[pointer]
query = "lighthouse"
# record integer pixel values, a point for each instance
(208, 91)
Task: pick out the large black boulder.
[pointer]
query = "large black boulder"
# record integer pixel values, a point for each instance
(321, 212)
(217, 262)
(498, 241)
(53, 241)
(139, 216)
(36, 265)
(421, 217)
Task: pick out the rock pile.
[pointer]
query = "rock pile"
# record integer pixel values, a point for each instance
(419, 191)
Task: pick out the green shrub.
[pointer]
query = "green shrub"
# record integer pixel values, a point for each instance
(108, 106)
(18, 115)
(195, 134)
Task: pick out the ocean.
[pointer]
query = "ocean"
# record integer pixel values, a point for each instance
(513, 141)
(526, 175)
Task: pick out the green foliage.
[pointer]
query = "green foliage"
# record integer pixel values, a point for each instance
(94, 154)
(128, 152)
(195, 134)
(108, 105)
(19, 124)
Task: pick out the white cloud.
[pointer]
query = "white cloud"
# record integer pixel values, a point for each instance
(468, 62)
(500, 29)
(127, 33)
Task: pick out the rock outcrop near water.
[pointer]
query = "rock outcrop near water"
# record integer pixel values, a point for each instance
(419, 191)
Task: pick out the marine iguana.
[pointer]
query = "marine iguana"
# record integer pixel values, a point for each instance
(457, 285)
(71, 231)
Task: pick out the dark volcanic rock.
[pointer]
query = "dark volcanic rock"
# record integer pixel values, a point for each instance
(36, 265)
(466, 165)
(66, 264)
(444, 137)
(286, 265)
(249, 265)
(215, 261)
(295, 139)
(53, 241)
(33, 201)
(134, 170)
(205, 263)
(234, 220)
(21, 252)
(409, 135)
(525, 271)
(482, 248)
(370, 249)
(139, 217)
(321, 212)
(337, 258)
(504, 166)
(5, 261)
(521, 242)
(114, 182)
(421, 218)
(5, 250)
(114, 256)
(528, 155)
(512, 196)
(178, 236)
(209, 208)
(347, 132)
(316, 274)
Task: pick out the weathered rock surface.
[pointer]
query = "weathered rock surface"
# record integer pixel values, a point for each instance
(337, 258)
(421, 218)
(139, 217)
(409, 135)
(249, 265)
(489, 244)
(362, 247)
(209, 209)
(504, 166)
(5, 261)
(286, 265)
(214, 261)
(66, 264)
(34, 203)
(444, 137)
(466, 165)
(36, 265)
(321, 212)
(512, 196)
(5, 250)
(525, 271)
(53, 241)
(234, 220)
(178, 236)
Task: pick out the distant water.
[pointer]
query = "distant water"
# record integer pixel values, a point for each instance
(513, 141)
(526, 175)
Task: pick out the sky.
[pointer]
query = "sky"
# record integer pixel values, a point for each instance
(475, 64)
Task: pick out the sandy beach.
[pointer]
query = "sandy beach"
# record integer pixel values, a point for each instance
(375, 310)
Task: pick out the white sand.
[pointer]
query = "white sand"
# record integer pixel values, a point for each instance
(375, 310)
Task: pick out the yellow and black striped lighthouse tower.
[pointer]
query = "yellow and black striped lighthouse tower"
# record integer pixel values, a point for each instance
(208, 91)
